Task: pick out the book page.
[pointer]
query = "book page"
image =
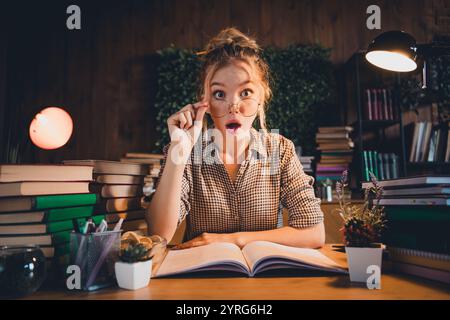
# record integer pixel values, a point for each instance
(257, 252)
(191, 259)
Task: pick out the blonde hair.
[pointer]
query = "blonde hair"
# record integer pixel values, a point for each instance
(228, 45)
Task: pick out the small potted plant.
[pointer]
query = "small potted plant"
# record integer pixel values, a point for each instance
(134, 269)
(362, 229)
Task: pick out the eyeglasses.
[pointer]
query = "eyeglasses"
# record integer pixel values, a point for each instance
(248, 107)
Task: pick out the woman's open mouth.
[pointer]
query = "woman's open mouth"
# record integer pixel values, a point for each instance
(232, 126)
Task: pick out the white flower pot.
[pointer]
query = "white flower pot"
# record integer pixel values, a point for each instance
(133, 276)
(360, 259)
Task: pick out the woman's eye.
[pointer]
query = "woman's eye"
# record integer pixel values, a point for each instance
(219, 95)
(246, 93)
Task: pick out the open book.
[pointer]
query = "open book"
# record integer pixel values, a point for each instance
(255, 257)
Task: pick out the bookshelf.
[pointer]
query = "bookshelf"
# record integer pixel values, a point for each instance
(373, 131)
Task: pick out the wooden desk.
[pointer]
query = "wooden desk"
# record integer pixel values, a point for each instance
(393, 286)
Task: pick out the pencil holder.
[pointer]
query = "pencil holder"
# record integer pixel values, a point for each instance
(95, 255)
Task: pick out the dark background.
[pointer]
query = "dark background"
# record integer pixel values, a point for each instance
(103, 74)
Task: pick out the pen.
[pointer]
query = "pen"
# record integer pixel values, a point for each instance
(103, 226)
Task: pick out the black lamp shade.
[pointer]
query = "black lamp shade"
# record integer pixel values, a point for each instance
(393, 50)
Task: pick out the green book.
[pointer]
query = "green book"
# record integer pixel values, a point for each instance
(33, 203)
(66, 200)
(370, 163)
(366, 166)
(375, 164)
(50, 215)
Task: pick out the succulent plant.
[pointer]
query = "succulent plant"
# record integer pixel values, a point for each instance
(135, 253)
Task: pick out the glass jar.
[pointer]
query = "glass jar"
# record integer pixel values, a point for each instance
(22, 270)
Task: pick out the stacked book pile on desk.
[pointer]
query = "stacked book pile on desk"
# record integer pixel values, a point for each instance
(119, 187)
(417, 234)
(40, 203)
(153, 163)
(336, 153)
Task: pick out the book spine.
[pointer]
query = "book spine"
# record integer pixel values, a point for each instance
(386, 166)
(375, 163)
(395, 168)
(432, 149)
(59, 214)
(60, 201)
(391, 107)
(418, 154)
(375, 104)
(369, 105)
(371, 169)
(414, 143)
(380, 166)
(385, 105)
(380, 104)
(366, 166)
(426, 145)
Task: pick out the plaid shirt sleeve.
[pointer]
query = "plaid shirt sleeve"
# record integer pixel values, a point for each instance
(185, 186)
(297, 192)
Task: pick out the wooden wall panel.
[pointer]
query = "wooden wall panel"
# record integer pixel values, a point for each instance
(104, 74)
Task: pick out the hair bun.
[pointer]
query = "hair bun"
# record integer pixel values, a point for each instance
(231, 37)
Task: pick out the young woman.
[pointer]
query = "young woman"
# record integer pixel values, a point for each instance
(231, 182)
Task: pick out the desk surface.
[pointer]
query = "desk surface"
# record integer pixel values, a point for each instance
(393, 286)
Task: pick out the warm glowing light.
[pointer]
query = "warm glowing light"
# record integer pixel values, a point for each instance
(51, 128)
(393, 61)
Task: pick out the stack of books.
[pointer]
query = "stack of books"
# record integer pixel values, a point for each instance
(40, 203)
(382, 165)
(335, 146)
(119, 188)
(418, 224)
(152, 161)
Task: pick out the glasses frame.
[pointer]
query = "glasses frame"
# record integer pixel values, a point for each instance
(233, 104)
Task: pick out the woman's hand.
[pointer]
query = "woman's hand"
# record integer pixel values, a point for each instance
(207, 238)
(185, 125)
